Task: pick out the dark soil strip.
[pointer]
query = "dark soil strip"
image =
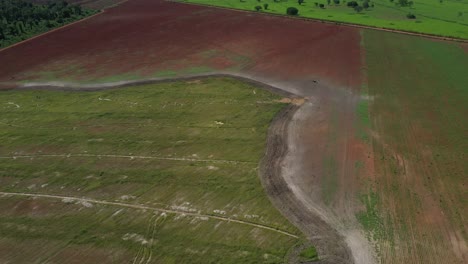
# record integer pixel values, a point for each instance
(330, 245)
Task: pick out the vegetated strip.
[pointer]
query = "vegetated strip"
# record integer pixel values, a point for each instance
(144, 207)
(121, 156)
(334, 22)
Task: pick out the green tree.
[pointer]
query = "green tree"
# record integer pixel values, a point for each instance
(365, 5)
(292, 11)
(258, 8)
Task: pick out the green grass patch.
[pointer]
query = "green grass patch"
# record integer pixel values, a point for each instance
(309, 254)
(370, 219)
(201, 142)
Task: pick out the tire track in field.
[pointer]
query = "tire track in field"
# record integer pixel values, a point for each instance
(80, 155)
(144, 207)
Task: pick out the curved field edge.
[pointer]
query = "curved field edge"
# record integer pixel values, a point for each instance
(441, 33)
(82, 224)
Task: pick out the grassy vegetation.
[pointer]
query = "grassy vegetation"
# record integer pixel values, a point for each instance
(444, 18)
(370, 218)
(309, 254)
(202, 141)
(419, 94)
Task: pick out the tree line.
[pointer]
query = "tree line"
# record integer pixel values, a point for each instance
(20, 19)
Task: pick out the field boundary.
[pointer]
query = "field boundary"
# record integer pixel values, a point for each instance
(144, 207)
(77, 87)
(51, 31)
(332, 22)
(102, 11)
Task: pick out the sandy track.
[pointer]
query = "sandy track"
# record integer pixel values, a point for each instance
(329, 243)
(338, 239)
(144, 207)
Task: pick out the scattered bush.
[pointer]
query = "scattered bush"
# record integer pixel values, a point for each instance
(258, 8)
(352, 4)
(358, 9)
(411, 16)
(365, 5)
(321, 5)
(292, 11)
(265, 6)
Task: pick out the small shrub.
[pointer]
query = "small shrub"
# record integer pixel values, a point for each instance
(258, 8)
(411, 16)
(365, 5)
(358, 9)
(265, 6)
(352, 4)
(321, 5)
(292, 11)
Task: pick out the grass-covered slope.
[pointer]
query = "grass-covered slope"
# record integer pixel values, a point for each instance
(191, 147)
(444, 18)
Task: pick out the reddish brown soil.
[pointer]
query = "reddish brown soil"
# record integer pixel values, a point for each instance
(143, 37)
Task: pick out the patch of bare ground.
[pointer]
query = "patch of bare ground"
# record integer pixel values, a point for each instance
(290, 176)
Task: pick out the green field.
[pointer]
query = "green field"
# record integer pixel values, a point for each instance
(446, 18)
(419, 94)
(189, 147)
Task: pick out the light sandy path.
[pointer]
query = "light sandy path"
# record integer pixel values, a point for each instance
(144, 207)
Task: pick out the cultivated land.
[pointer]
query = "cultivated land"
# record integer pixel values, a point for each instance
(190, 147)
(446, 18)
(354, 160)
(418, 134)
